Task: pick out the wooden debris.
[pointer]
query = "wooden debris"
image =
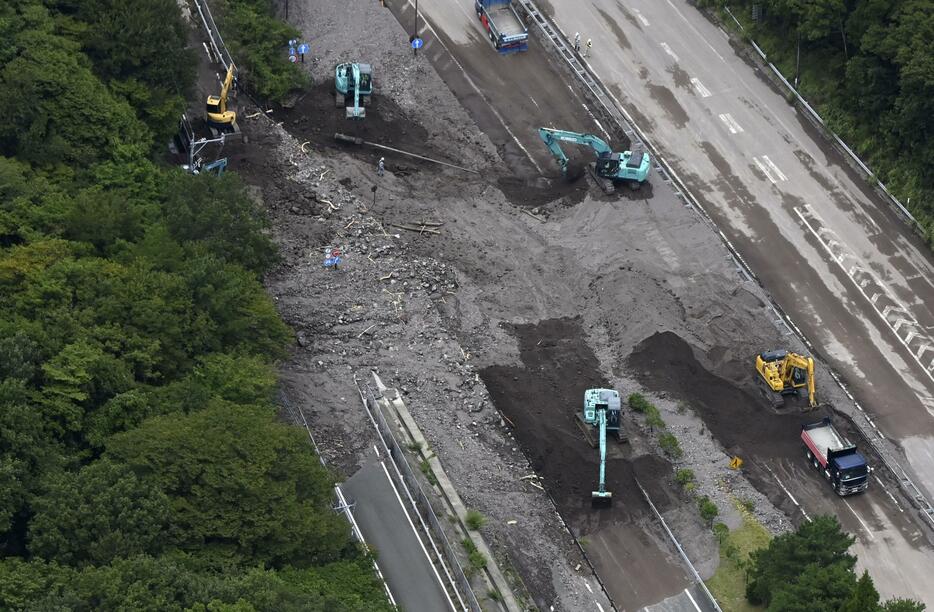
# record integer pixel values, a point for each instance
(508, 421)
(360, 335)
(533, 215)
(421, 229)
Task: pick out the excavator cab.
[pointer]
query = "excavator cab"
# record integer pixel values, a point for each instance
(607, 166)
(784, 373)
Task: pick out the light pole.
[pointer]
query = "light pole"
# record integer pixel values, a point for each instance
(414, 48)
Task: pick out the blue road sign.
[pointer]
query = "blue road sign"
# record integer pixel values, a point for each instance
(292, 58)
(417, 43)
(291, 50)
(331, 261)
(303, 48)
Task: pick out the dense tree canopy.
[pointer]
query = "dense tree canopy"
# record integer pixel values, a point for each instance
(142, 466)
(868, 65)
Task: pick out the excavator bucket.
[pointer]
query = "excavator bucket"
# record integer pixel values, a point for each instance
(601, 499)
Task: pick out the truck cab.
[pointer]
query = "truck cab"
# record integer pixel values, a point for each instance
(849, 472)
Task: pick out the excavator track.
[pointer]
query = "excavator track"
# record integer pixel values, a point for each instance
(605, 184)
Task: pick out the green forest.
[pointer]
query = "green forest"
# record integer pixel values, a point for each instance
(142, 465)
(867, 66)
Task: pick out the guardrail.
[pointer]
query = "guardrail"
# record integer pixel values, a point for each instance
(906, 214)
(421, 504)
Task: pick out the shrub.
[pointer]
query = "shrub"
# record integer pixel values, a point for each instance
(708, 509)
(638, 402)
(474, 520)
(653, 418)
(721, 531)
(684, 476)
(670, 445)
(425, 467)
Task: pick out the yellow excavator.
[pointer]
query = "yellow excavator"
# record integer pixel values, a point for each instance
(218, 115)
(783, 373)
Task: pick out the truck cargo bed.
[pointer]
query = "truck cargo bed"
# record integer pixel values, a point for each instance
(504, 16)
(824, 438)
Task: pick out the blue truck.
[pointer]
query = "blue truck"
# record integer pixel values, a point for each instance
(503, 25)
(835, 458)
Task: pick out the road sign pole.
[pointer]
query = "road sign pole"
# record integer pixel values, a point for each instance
(415, 49)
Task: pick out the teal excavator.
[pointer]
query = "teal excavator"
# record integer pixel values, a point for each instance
(601, 411)
(630, 167)
(353, 85)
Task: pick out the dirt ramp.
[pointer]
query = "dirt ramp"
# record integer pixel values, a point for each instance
(541, 399)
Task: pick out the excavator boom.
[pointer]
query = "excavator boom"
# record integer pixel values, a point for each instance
(601, 495)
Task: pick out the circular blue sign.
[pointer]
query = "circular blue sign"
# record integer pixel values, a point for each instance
(417, 43)
(303, 48)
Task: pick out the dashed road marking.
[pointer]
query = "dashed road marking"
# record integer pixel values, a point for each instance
(693, 29)
(769, 169)
(703, 91)
(731, 124)
(788, 493)
(669, 51)
(896, 315)
(644, 21)
(861, 521)
(774, 168)
(534, 102)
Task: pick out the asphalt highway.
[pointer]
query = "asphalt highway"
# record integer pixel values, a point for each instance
(387, 528)
(833, 254)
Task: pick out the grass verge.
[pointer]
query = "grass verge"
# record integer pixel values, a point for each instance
(728, 585)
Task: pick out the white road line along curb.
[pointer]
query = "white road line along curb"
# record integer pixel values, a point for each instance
(677, 544)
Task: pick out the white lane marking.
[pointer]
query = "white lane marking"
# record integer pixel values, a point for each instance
(376, 450)
(774, 168)
(788, 493)
(587, 584)
(874, 290)
(703, 91)
(417, 537)
(534, 102)
(696, 607)
(477, 89)
(892, 497)
(693, 29)
(644, 21)
(669, 51)
(861, 521)
(731, 124)
(599, 607)
(764, 170)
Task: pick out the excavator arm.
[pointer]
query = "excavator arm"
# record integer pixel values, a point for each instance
(225, 90)
(601, 495)
(794, 361)
(552, 138)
